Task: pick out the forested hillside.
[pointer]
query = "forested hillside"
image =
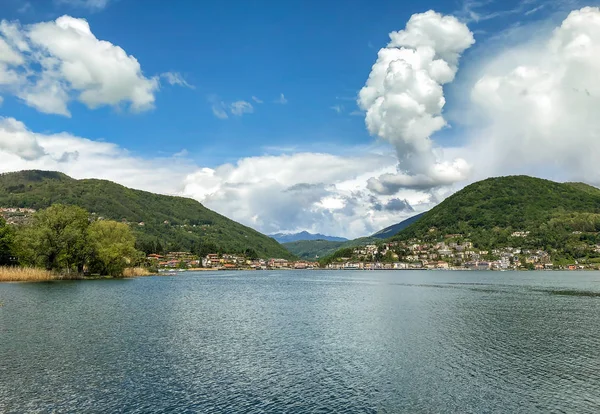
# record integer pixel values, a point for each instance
(497, 211)
(158, 221)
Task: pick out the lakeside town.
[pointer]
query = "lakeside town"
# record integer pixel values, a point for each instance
(410, 255)
(214, 261)
(454, 253)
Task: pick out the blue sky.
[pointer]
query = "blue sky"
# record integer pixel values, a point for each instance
(188, 140)
(318, 54)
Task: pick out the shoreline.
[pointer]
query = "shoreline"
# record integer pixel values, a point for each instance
(182, 271)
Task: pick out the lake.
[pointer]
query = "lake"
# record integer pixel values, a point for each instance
(304, 342)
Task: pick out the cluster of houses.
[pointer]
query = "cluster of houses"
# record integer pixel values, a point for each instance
(450, 254)
(186, 260)
(15, 215)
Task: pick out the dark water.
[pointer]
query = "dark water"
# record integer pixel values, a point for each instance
(303, 342)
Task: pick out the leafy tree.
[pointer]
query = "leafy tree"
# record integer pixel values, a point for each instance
(251, 254)
(112, 247)
(6, 242)
(55, 240)
(205, 248)
(388, 257)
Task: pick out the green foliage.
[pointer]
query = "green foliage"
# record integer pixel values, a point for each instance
(6, 243)
(112, 247)
(189, 224)
(337, 256)
(312, 249)
(55, 240)
(562, 219)
(251, 254)
(489, 211)
(327, 254)
(61, 238)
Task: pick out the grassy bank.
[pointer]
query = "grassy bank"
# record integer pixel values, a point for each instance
(30, 274)
(136, 272)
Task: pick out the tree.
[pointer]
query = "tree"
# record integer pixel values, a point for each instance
(6, 242)
(251, 254)
(55, 240)
(112, 247)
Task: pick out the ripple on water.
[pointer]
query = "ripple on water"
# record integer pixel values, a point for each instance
(344, 342)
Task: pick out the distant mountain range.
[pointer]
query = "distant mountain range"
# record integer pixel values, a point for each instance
(304, 235)
(319, 246)
(177, 223)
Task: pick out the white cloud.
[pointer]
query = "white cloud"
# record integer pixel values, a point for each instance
(175, 78)
(337, 108)
(17, 140)
(8, 55)
(21, 148)
(51, 63)
(533, 110)
(281, 100)
(403, 99)
(13, 32)
(297, 192)
(240, 108)
(257, 100)
(93, 5)
(269, 193)
(538, 104)
(218, 108)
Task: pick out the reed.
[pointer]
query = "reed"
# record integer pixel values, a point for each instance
(31, 274)
(136, 272)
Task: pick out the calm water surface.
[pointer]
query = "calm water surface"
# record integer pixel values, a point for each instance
(303, 342)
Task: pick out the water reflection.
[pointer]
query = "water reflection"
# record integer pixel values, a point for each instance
(303, 342)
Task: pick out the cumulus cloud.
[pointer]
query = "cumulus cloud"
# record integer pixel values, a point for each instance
(439, 175)
(16, 139)
(240, 108)
(295, 192)
(403, 99)
(538, 105)
(51, 63)
(533, 109)
(269, 193)
(21, 148)
(393, 204)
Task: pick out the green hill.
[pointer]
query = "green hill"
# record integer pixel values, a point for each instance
(489, 211)
(177, 223)
(522, 212)
(312, 249)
